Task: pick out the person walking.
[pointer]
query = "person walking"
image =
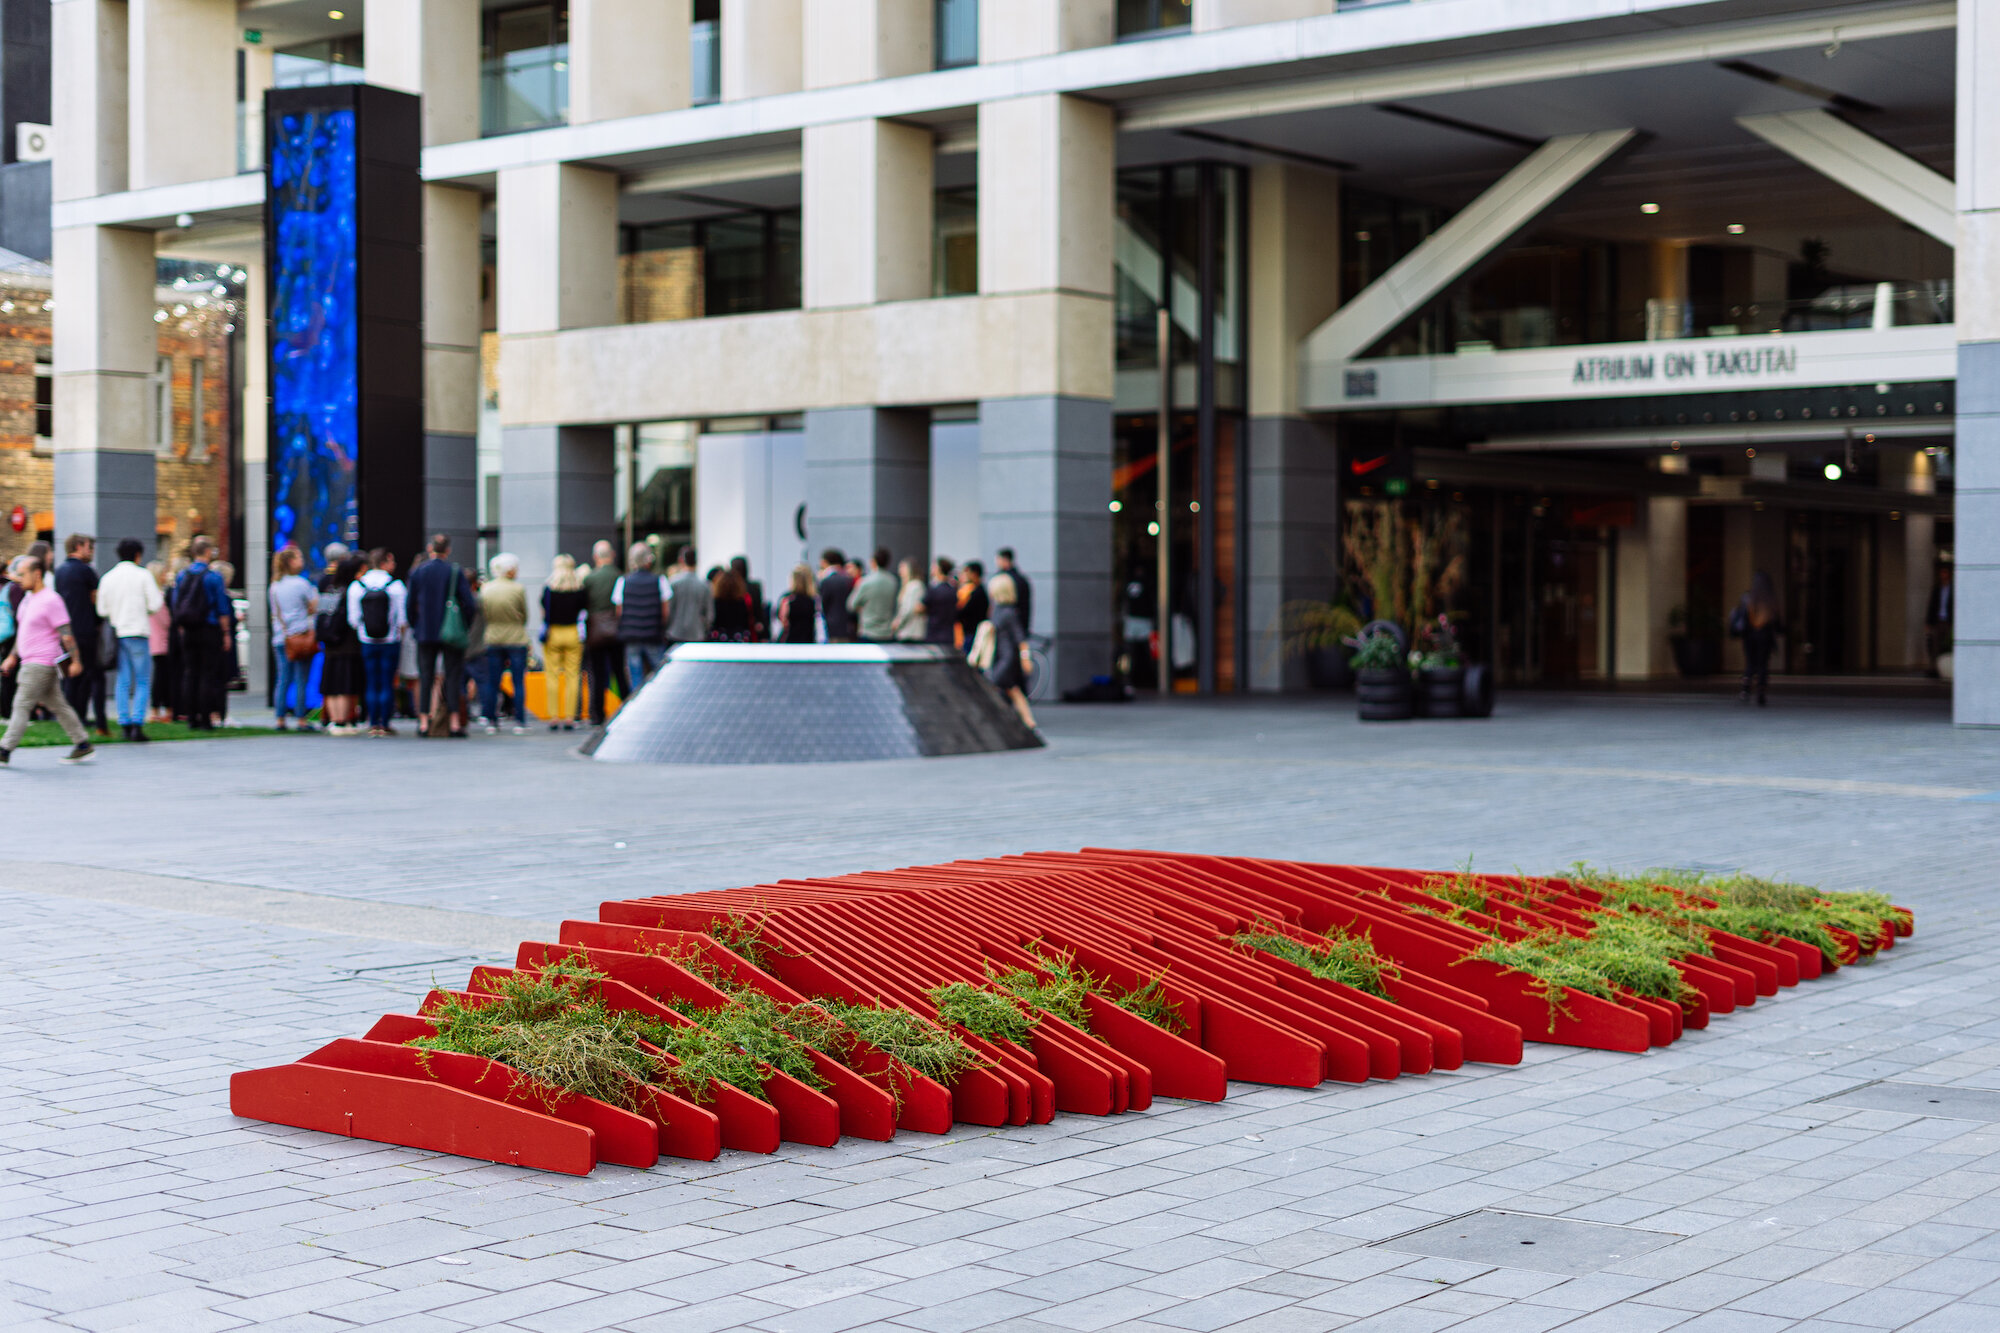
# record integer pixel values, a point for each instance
(873, 601)
(798, 609)
(1009, 672)
(691, 603)
(564, 606)
(1024, 592)
(941, 605)
(159, 642)
(835, 586)
(735, 613)
(42, 638)
(376, 606)
(76, 584)
(342, 678)
(127, 597)
(505, 604)
(294, 603)
(973, 604)
(912, 622)
(760, 610)
(441, 607)
(641, 597)
(1757, 622)
(205, 620)
(603, 650)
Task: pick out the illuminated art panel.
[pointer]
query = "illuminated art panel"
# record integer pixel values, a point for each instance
(315, 363)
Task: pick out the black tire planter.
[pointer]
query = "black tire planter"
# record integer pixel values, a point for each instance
(1476, 699)
(1383, 694)
(1442, 688)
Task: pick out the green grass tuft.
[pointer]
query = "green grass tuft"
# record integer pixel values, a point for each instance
(922, 1045)
(984, 1013)
(1348, 959)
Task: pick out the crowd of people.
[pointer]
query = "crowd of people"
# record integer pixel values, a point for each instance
(447, 645)
(157, 641)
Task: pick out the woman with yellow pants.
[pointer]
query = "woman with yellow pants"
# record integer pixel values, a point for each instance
(563, 604)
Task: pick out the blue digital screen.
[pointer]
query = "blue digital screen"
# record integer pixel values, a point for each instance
(315, 380)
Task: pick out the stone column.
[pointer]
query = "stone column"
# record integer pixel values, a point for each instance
(627, 58)
(860, 41)
(1045, 220)
(558, 232)
(89, 102)
(762, 54)
(867, 214)
(104, 349)
(1294, 481)
(182, 98)
(1023, 28)
(1652, 580)
(255, 500)
(868, 479)
(1976, 573)
(431, 48)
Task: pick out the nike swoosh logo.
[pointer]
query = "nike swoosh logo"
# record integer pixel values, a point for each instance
(1362, 468)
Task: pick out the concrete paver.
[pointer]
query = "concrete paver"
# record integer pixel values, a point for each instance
(348, 875)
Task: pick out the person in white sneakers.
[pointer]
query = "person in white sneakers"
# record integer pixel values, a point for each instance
(44, 651)
(127, 597)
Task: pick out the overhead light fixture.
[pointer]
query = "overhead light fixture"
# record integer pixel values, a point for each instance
(1117, 505)
(1153, 528)
(1734, 229)
(1649, 208)
(336, 14)
(1832, 471)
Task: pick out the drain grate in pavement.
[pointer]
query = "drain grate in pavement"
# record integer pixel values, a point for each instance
(1524, 1240)
(1921, 1099)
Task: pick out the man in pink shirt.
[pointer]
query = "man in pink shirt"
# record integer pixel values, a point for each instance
(42, 641)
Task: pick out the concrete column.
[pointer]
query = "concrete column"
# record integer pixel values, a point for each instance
(868, 479)
(627, 58)
(89, 102)
(1045, 223)
(451, 365)
(868, 206)
(1212, 14)
(1021, 29)
(1652, 580)
(1976, 572)
(181, 103)
(860, 41)
(762, 54)
(104, 341)
(558, 249)
(255, 499)
(557, 270)
(1294, 492)
(429, 47)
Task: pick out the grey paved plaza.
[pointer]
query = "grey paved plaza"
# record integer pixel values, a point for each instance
(179, 912)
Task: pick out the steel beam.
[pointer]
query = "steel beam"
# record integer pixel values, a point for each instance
(1891, 180)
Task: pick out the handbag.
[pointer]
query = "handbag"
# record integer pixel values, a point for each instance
(300, 647)
(601, 629)
(452, 629)
(981, 656)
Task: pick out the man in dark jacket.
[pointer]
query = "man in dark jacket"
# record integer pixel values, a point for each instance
(835, 584)
(76, 584)
(432, 584)
(1025, 606)
(941, 605)
(642, 597)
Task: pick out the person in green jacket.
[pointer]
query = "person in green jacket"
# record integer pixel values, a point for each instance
(873, 601)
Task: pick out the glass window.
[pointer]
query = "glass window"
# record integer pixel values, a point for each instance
(45, 398)
(955, 252)
(197, 427)
(1153, 18)
(737, 264)
(705, 52)
(524, 69)
(957, 33)
(313, 64)
(161, 391)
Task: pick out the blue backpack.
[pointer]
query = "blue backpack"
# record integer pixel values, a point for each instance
(7, 626)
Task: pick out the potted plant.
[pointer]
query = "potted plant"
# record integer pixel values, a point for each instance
(1440, 668)
(1320, 633)
(1381, 676)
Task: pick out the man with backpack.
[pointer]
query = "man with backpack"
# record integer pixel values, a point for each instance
(205, 619)
(441, 606)
(376, 609)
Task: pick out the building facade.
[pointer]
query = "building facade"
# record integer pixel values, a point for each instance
(1621, 304)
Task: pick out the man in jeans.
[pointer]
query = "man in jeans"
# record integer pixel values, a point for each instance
(41, 640)
(127, 597)
(691, 606)
(376, 604)
(641, 599)
(603, 654)
(76, 583)
(206, 619)
(432, 584)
